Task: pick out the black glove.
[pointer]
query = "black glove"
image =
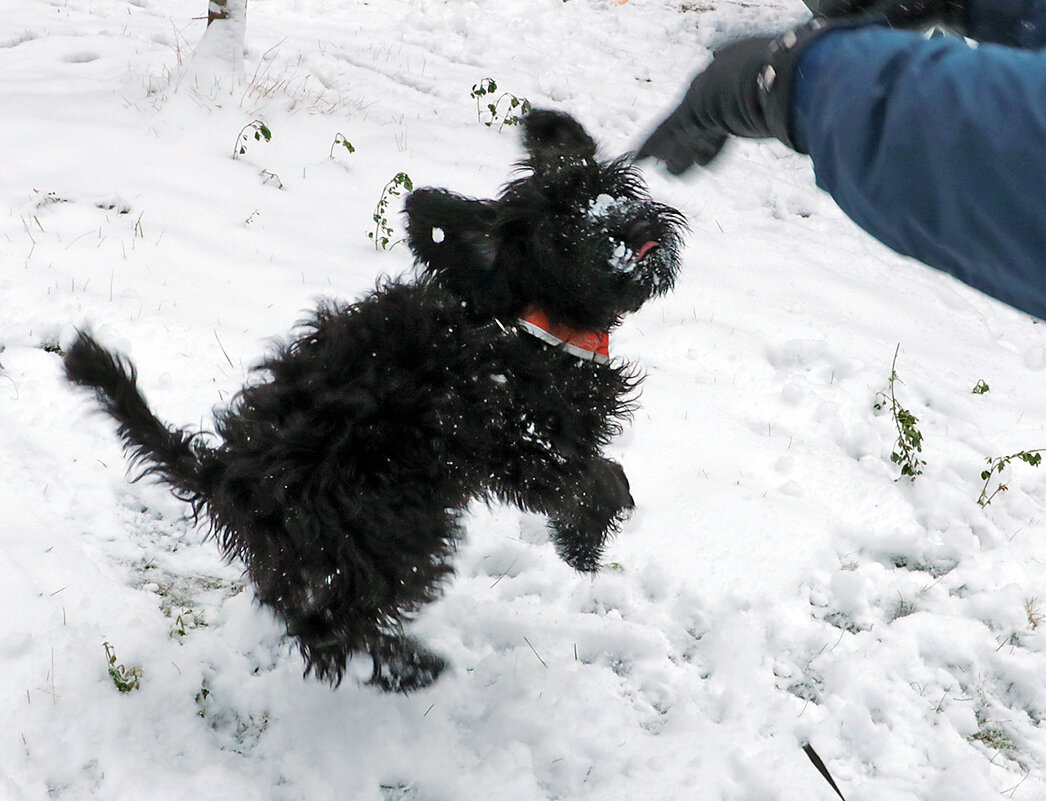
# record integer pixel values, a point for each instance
(898, 13)
(745, 91)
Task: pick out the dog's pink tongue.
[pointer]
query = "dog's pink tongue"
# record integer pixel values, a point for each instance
(647, 247)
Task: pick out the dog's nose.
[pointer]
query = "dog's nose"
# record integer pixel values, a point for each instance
(644, 228)
(639, 230)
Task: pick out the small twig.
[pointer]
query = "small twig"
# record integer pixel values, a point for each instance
(73, 242)
(940, 704)
(535, 650)
(507, 569)
(220, 345)
(1010, 791)
(264, 59)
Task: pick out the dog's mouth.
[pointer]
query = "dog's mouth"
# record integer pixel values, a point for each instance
(645, 249)
(627, 258)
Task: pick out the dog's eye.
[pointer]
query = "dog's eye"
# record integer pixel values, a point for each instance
(438, 235)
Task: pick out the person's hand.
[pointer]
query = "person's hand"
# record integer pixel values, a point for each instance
(745, 91)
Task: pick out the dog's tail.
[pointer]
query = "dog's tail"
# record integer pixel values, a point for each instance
(174, 455)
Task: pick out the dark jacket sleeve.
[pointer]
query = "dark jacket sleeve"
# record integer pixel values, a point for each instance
(1017, 23)
(935, 147)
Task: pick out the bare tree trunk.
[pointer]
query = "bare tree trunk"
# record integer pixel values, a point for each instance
(217, 9)
(218, 55)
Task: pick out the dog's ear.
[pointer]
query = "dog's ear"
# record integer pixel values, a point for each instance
(551, 136)
(451, 238)
(447, 231)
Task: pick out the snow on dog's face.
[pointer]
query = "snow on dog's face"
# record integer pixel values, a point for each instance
(576, 237)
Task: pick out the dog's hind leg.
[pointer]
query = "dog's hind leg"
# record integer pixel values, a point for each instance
(589, 512)
(402, 664)
(329, 640)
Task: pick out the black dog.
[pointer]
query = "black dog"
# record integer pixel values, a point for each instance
(341, 479)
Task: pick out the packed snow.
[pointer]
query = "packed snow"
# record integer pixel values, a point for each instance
(779, 584)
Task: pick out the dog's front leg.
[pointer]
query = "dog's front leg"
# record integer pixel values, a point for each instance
(590, 512)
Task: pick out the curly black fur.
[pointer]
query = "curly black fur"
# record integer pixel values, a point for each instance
(340, 480)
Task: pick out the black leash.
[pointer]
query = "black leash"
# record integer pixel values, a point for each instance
(810, 752)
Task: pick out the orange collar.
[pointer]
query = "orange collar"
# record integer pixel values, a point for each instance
(585, 345)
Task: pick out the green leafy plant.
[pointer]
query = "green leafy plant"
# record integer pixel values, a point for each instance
(185, 621)
(480, 90)
(999, 463)
(126, 679)
(339, 139)
(255, 129)
(507, 108)
(909, 439)
(383, 233)
(994, 736)
(981, 387)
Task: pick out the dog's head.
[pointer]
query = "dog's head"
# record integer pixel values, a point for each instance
(576, 237)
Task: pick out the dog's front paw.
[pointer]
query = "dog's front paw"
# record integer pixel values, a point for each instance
(406, 666)
(581, 562)
(582, 552)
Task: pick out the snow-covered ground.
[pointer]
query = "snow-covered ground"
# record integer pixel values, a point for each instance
(777, 585)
